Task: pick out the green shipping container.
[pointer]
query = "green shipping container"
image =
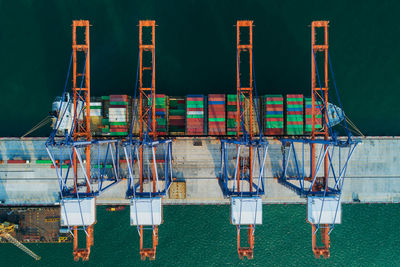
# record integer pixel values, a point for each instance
(44, 161)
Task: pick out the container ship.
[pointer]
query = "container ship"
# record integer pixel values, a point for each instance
(198, 115)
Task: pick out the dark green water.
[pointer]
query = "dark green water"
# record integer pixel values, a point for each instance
(196, 54)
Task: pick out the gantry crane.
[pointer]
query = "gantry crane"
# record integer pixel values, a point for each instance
(243, 157)
(323, 194)
(6, 229)
(152, 177)
(75, 154)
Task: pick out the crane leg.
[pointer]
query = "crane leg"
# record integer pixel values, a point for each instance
(83, 253)
(323, 249)
(148, 252)
(246, 251)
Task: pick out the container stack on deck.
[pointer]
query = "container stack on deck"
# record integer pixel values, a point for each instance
(118, 115)
(294, 115)
(161, 114)
(231, 114)
(105, 121)
(273, 122)
(96, 117)
(216, 114)
(134, 112)
(176, 118)
(318, 115)
(195, 115)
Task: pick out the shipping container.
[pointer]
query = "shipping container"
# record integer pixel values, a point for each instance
(294, 115)
(216, 114)
(118, 115)
(273, 116)
(195, 115)
(177, 118)
(308, 115)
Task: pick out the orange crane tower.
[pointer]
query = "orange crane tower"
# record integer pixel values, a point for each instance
(247, 93)
(81, 93)
(147, 119)
(316, 92)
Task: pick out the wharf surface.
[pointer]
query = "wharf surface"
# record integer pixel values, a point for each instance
(373, 174)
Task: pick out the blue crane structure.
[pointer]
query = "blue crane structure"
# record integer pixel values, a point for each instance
(79, 159)
(243, 157)
(319, 176)
(150, 180)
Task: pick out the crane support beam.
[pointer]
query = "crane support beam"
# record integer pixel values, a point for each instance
(154, 176)
(81, 92)
(316, 48)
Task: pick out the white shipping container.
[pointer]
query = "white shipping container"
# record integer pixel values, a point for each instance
(95, 104)
(117, 119)
(195, 112)
(117, 110)
(95, 112)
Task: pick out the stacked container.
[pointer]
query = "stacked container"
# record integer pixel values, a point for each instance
(294, 114)
(176, 118)
(195, 115)
(318, 115)
(161, 114)
(105, 121)
(134, 112)
(255, 115)
(216, 114)
(231, 114)
(96, 117)
(273, 115)
(118, 115)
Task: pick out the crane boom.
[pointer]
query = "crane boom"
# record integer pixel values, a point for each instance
(19, 245)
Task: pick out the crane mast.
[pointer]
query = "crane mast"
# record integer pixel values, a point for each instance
(322, 182)
(320, 91)
(81, 94)
(149, 182)
(147, 119)
(245, 152)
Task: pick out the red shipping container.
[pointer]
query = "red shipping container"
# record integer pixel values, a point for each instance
(274, 119)
(195, 109)
(274, 98)
(181, 101)
(295, 103)
(177, 122)
(195, 99)
(176, 117)
(231, 103)
(294, 123)
(118, 127)
(16, 161)
(217, 106)
(274, 106)
(216, 96)
(294, 96)
(294, 113)
(273, 131)
(217, 114)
